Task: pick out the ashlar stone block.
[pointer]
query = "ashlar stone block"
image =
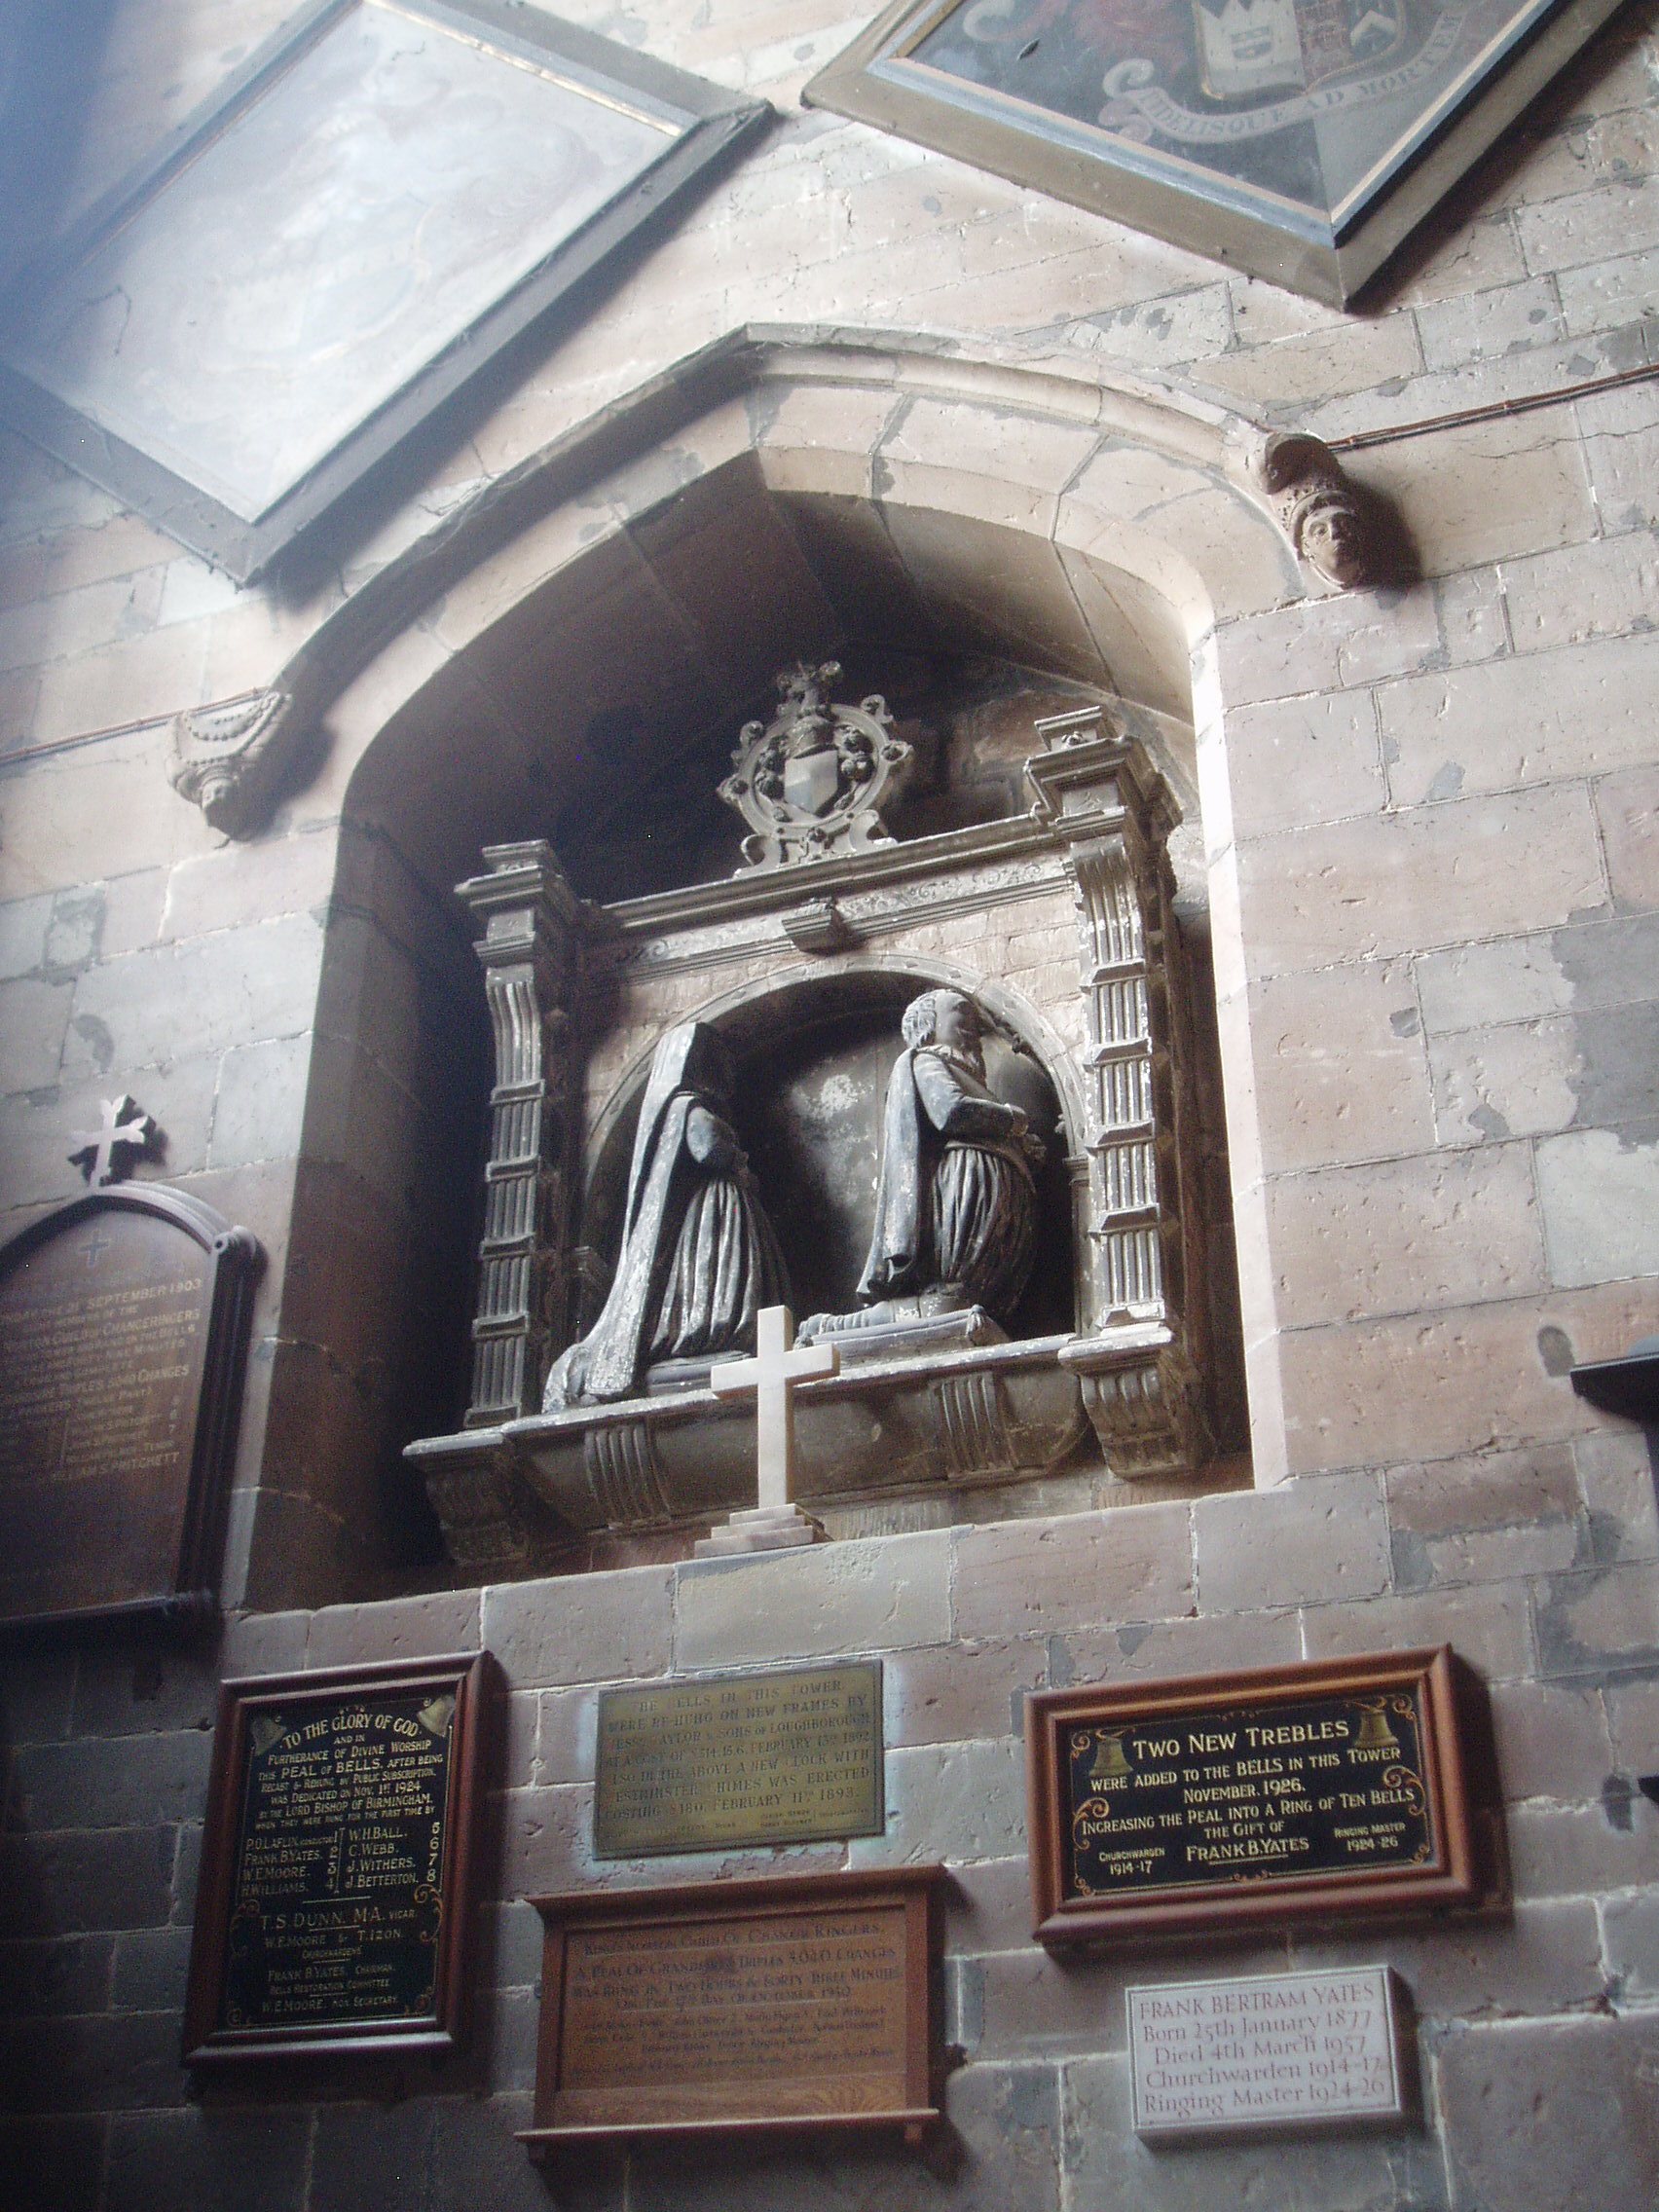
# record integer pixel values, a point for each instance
(402, 1628)
(1596, 1187)
(1296, 763)
(1500, 724)
(1487, 1624)
(1319, 1540)
(1406, 1235)
(1486, 1518)
(1599, 1619)
(874, 1596)
(1546, 1959)
(1131, 1564)
(213, 2159)
(1630, 1931)
(955, 1802)
(1628, 809)
(591, 1628)
(1576, 593)
(963, 1691)
(34, 1016)
(1520, 1080)
(1339, 1066)
(1431, 875)
(1470, 1379)
(1547, 2118)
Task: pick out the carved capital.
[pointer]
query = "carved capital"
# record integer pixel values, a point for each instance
(1335, 527)
(227, 760)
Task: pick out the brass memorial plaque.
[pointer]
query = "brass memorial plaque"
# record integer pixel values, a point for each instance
(1327, 1788)
(335, 1891)
(122, 1319)
(804, 2000)
(739, 1759)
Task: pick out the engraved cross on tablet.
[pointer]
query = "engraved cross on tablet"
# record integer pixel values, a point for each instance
(101, 1153)
(775, 1522)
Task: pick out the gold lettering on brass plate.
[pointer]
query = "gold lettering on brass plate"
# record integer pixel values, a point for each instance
(741, 1759)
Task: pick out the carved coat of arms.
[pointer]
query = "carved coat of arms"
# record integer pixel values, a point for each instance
(810, 782)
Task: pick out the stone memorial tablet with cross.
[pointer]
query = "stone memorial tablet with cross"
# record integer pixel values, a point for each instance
(775, 1522)
(123, 1334)
(105, 1155)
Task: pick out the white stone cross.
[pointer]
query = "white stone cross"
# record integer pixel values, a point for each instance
(98, 1151)
(778, 1365)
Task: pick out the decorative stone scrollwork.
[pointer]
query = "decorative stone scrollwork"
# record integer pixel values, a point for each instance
(1144, 1404)
(1332, 524)
(626, 1480)
(971, 1426)
(810, 782)
(227, 760)
(477, 1500)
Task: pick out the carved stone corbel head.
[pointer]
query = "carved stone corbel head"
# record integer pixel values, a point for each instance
(1335, 527)
(227, 760)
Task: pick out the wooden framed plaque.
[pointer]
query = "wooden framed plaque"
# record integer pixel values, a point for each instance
(334, 1914)
(1322, 1790)
(123, 1334)
(807, 2001)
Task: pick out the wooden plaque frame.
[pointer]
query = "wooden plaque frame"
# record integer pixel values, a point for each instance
(188, 1587)
(1461, 1870)
(916, 1892)
(207, 2043)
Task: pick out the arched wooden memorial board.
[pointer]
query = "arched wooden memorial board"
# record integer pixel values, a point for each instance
(123, 1329)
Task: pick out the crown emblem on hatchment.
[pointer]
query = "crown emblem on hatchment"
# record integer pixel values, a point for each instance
(810, 782)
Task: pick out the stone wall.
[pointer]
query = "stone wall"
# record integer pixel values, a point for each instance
(1429, 817)
(1538, 2038)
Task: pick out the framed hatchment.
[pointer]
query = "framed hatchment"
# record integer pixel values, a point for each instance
(1299, 139)
(382, 200)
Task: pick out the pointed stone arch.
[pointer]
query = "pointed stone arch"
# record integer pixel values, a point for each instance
(1111, 531)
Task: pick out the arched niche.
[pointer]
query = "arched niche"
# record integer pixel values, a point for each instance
(812, 1056)
(627, 596)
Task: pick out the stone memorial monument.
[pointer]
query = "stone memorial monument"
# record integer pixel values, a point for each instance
(814, 1070)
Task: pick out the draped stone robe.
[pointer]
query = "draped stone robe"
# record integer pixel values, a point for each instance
(698, 1257)
(956, 1201)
